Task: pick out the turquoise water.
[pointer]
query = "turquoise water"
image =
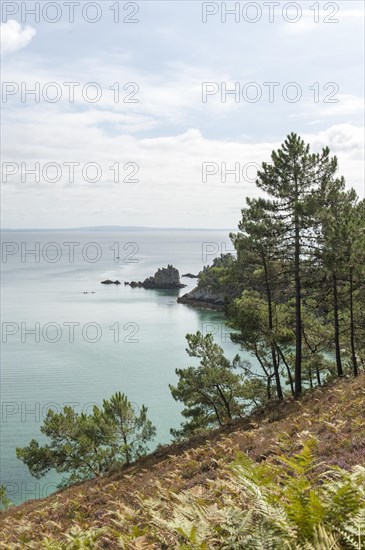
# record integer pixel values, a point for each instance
(83, 367)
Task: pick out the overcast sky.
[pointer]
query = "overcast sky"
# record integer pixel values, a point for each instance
(162, 134)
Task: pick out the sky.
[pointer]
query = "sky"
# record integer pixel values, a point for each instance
(158, 113)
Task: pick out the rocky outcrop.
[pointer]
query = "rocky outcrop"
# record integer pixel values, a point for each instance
(216, 286)
(203, 298)
(109, 282)
(167, 277)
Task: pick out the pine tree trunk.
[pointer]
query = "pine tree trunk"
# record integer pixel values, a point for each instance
(318, 374)
(290, 378)
(225, 403)
(310, 377)
(336, 326)
(298, 312)
(271, 325)
(352, 327)
(127, 454)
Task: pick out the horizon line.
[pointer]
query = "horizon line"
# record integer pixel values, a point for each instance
(114, 228)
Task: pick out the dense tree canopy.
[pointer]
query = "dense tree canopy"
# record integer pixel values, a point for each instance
(295, 292)
(300, 252)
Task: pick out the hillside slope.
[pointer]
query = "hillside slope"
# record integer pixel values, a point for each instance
(334, 415)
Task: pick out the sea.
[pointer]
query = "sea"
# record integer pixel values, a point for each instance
(67, 339)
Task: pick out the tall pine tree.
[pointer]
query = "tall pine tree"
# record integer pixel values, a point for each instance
(292, 182)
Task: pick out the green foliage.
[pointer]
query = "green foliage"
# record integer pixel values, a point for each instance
(89, 445)
(220, 277)
(249, 316)
(131, 430)
(5, 502)
(301, 263)
(211, 392)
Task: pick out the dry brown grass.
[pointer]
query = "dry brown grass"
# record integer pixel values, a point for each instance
(334, 414)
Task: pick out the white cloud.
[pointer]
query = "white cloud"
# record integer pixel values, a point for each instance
(171, 132)
(170, 176)
(347, 143)
(311, 20)
(15, 37)
(342, 139)
(347, 104)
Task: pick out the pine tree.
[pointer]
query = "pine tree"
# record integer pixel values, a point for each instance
(256, 246)
(292, 182)
(89, 445)
(212, 392)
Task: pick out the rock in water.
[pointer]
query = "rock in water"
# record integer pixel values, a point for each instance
(190, 276)
(167, 277)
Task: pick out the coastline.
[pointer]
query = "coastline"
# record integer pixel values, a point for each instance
(200, 304)
(203, 299)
